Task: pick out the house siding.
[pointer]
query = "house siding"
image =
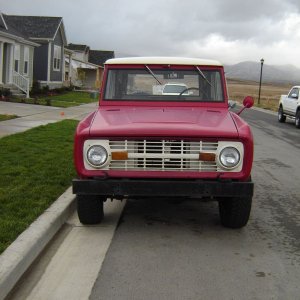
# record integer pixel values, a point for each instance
(31, 56)
(57, 75)
(40, 63)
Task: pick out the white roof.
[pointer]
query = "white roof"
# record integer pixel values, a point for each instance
(82, 65)
(163, 61)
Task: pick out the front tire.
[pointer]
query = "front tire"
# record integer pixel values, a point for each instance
(281, 116)
(297, 119)
(90, 209)
(235, 211)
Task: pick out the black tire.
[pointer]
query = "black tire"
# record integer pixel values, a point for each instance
(281, 116)
(297, 119)
(235, 211)
(90, 209)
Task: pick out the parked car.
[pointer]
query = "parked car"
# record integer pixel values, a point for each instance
(145, 144)
(175, 89)
(289, 106)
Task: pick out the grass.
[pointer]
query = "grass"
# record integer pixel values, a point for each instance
(36, 168)
(269, 95)
(69, 99)
(61, 100)
(7, 117)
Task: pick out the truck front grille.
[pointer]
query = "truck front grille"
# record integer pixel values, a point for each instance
(163, 155)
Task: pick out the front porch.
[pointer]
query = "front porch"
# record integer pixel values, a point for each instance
(9, 66)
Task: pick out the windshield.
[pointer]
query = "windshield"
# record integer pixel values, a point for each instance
(164, 85)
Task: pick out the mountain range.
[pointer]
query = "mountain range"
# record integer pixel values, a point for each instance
(248, 70)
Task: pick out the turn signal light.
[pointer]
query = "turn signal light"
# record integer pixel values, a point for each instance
(119, 155)
(207, 156)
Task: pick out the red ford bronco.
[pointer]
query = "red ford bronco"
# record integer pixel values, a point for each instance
(144, 142)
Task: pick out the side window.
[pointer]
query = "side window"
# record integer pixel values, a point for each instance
(294, 93)
(56, 58)
(17, 58)
(26, 60)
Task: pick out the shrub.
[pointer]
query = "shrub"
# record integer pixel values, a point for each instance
(36, 88)
(45, 90)
(4, 92)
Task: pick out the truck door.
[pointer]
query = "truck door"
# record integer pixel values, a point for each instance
(291, 101)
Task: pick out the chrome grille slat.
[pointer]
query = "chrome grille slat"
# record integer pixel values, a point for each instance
(163, 155)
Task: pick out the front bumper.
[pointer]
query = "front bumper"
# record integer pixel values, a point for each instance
(162, 188)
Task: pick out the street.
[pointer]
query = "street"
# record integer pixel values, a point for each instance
(165, 250)
(180, 251)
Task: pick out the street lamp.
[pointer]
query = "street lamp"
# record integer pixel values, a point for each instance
(261, 68)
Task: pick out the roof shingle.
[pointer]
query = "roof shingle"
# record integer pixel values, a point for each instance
(99, 57)
(78, 47)
(34, 26)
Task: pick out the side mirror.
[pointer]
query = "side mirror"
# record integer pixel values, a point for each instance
(248, 103)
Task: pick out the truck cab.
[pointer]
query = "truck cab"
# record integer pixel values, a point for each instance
(145, 143)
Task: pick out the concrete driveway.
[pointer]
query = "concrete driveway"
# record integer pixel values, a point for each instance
(35, 115)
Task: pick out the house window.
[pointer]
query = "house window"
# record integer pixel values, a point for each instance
(57, 58)
(26, 60)
(17, 57)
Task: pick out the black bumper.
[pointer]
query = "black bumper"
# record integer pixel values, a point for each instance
(161, 188)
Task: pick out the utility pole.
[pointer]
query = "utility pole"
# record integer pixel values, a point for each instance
(261, 68)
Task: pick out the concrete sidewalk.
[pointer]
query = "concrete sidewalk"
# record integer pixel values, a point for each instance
(35, 115)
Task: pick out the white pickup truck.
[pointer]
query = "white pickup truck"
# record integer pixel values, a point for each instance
(289, 106)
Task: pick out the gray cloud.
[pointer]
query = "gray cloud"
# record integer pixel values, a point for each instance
(232, 29)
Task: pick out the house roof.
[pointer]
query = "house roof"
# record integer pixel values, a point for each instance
(36, 27)
(78, 47)
(2, 22)
(99, 57)
(8, 30)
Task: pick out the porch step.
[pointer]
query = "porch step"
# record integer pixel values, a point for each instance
(14, 90)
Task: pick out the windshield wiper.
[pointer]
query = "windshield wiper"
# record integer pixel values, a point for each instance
(149, 70)
(203, 76)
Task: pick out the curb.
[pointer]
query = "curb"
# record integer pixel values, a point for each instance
(267, 111)
(19, 256)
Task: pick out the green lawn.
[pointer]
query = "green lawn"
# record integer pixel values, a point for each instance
(36, 168)
(7, 117)
(69, 99)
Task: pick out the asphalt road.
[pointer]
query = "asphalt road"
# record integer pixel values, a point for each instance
(180, 251)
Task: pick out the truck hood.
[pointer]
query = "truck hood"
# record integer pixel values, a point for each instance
(160, 122)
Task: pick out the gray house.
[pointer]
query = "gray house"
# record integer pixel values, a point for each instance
(89, 63)
(49, 33)
(16, 58)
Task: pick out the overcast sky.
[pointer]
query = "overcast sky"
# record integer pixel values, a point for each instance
(227, 30)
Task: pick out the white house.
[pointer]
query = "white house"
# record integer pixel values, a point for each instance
(16, 58)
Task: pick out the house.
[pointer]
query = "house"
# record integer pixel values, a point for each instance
(16, 58)
(99, 57)
(49, 33)
(85, 66)
(79, 71)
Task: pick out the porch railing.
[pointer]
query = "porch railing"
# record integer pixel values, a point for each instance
(21, 82)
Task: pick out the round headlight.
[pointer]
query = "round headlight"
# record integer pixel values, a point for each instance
(229, 157)
(96, 155)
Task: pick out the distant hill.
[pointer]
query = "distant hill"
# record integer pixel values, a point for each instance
(249, 70)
